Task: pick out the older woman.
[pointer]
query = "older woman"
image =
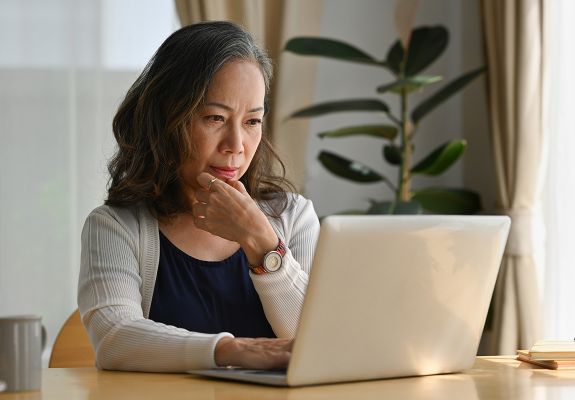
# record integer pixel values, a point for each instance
(201, 254)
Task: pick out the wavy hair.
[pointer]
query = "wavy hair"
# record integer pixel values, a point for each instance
(150, 125)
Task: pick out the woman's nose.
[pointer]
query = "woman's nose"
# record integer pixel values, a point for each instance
(233, 140)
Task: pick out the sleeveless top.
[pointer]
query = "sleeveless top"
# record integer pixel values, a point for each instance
(207, 296)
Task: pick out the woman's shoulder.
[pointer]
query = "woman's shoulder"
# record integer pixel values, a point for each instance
(288, 203)
(298, 209)
(297, 203)
(127, 217)
(114, 212)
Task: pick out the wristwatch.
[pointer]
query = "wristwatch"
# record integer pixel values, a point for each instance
(272, 260)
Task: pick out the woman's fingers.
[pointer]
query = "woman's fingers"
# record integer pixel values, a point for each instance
(199, 210)
(208, 182)
(259, 353)
(267, 356)
(228, 211)
(239, 187)
(202, 196)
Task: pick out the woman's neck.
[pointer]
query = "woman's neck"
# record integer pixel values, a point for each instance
(184, 234)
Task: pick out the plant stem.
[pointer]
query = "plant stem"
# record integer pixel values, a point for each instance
(404, 189)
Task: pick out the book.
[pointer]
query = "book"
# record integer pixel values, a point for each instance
(553, 350)
(523, 355)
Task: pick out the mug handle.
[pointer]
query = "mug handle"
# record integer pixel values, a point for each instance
(44, 337)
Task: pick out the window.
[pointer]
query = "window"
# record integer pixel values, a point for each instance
(64, 67)
(559, 190)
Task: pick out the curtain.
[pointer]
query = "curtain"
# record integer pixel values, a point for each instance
(513, 33)
(559, 193)
(272, 23)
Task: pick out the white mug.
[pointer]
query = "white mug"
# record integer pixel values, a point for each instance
(22, 339)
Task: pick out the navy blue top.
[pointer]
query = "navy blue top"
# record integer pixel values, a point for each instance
(207, 296)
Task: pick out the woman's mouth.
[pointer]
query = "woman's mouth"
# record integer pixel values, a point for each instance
(224, 172)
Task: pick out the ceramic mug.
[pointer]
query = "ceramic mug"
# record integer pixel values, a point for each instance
(22, 339)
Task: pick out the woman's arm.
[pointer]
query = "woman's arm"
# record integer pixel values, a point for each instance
(282, 292)
(227, 210)
(110, 302)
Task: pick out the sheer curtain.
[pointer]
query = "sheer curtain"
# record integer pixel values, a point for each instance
(559, 192)
(64, 67)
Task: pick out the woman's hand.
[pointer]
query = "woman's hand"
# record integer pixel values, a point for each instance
(259, 353)
(226, 209)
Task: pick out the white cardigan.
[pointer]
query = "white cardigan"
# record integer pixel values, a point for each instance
(120, 255)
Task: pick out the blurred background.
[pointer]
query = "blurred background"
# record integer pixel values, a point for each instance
(65, 66)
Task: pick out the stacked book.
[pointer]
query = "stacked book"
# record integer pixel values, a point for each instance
(551, 354)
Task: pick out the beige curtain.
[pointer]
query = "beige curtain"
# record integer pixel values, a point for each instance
(272, 23)
(514, 39)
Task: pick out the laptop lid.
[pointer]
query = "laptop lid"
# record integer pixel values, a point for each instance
(393, 296)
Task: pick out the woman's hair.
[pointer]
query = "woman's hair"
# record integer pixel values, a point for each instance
(151, 125)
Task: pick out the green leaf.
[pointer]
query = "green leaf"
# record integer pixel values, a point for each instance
(392, 154)
(351, 211)
(380, 207)
(339, 106)
(441, 158)
(348, 169)
(426, 44)
(448, 201)
(379, 131)
(409, 207)
(443, 94)
(330, 48)
(395, 57)
(412, 84)
(392, 207)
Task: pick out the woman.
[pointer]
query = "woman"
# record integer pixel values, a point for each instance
(200, 256)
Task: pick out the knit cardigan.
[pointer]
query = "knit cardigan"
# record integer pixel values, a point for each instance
(119, 262)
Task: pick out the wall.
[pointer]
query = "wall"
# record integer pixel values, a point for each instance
(369, 25)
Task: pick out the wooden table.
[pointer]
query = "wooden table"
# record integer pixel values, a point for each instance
(490, 378)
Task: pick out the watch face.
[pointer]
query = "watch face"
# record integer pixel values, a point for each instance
(272, 261)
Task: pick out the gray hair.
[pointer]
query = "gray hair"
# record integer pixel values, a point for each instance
(187, 61)
(151, 123)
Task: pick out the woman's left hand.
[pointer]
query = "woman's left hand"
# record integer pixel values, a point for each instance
(253, 353)
(227, 210)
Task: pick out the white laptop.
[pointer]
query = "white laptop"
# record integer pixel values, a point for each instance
(391, 296)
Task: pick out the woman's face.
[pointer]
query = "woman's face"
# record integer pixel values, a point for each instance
(227, 129)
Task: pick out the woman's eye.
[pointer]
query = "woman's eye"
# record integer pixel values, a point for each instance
(215, 118)
(254, 121)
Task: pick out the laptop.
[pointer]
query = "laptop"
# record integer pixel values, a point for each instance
(391, 296)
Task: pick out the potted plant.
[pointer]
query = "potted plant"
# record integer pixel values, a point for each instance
(405, 59)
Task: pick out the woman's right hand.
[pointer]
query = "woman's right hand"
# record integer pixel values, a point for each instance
(258, 353)
(225, 209)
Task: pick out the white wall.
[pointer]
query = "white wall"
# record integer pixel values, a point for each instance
(369, 25)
